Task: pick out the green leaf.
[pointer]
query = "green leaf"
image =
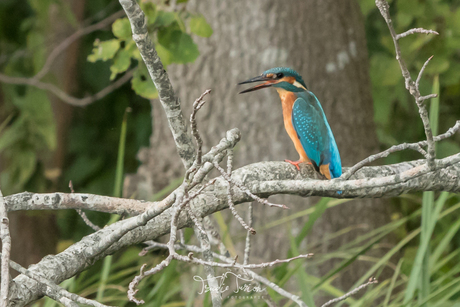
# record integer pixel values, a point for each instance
(121, 28)
(165, 19)
(134, 51)
(150, 11)
(320, 207)
(164, 54)
(200, 26)
(302, 276)
(142, 84)
(393, 281)
(121, 63)
(179, 44)
(429, 218)
(104, 50)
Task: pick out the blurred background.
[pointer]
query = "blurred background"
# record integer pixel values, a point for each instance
(121, 145)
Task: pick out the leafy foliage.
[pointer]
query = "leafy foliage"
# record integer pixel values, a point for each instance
(172, 42)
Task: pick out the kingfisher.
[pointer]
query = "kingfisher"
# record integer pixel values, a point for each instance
(304, 120)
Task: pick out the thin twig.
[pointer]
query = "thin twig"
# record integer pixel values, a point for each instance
(229, 195)
(414, 146)
(246, 190)
(132, 288)
(247, 248)
(419, 77)
(237, 265)
(6, 250)
(87, 220)
(72, 38)
(196, 222)
(411, 86)
(383, 154)
(196, 107)
(83, 214)
(371, 281)
(216, 296)
(414, 31)
(430, 96)
(177, 207)
(180, 204)
(195, 249)
(79, 102)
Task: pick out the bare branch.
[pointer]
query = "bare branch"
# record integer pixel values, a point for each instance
(54, 291)
(182, 199)
(169, 101)
(411, 86)
(246, 190)
(419, 77)
(87, 220)
(216, 297)
(195, 249)
(72, 38)
(196, 107)
(6, 249)
(414, 31)
(55, 201)
(430, 96)
(247, 248)
(237, 265)
(414, 146)
(79, 102)
(229, 196)
(265, 178)
(371, 281)
(83, 214)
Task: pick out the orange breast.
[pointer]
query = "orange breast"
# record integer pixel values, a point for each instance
(287, 102)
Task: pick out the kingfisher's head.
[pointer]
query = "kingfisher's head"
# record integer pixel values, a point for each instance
(280, 78)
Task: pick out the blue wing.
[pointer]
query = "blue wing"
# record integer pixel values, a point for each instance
(315, 135)
(307, 123)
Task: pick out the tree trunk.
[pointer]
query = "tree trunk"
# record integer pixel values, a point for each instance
(325, 42)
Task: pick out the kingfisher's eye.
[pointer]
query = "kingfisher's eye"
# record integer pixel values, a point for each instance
(279, 75)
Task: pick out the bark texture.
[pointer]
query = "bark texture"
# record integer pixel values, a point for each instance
(324, 41)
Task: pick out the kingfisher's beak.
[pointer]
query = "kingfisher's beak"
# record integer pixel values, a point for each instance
(269, 82)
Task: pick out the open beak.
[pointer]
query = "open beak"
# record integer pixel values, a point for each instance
(269, 82)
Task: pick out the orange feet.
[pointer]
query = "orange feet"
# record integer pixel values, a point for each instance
(296, 163)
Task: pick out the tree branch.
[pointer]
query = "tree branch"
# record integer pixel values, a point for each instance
(54, 291)
(72, 38)
(6, 249)
(371, 281)
(411, 86)
(265, 179)
(272, 178)
(414, 146)
(169, 101)
(79, 102)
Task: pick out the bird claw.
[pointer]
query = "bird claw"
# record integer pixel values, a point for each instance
(296, 163)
